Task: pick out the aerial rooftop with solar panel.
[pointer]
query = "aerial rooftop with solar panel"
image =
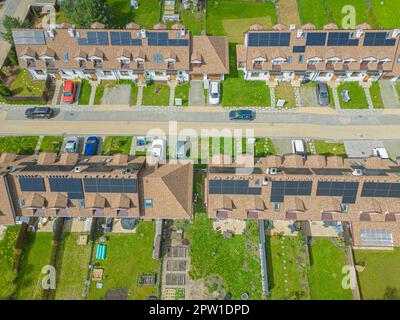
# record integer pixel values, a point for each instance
(199, 150)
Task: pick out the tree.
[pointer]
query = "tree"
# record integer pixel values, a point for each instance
(10, 23)
(85, 12)
(4, 91)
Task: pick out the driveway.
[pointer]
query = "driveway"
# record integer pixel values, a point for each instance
(282, 146)
(309, 97)
(196, 94)
(389, 95)
(361, 148)
(117, 95)
(393, 148)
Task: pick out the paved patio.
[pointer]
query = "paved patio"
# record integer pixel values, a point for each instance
(361, 148)
(389, 94)
(309, 97)
(119, 94)
(196, 94)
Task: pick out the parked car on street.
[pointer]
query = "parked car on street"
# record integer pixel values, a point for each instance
(39, 113)
(71, 144)
(91, 146)
(322, 94)
(69, 91)
(214, 93)
(241, 115)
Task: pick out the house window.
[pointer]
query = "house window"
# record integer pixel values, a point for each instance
(107, 73)
(398, 58)
(301, 58)
(39, 72)
(124, 73)
(148, 203)
(277, 206)
(289, 59)
(157, 58)
(345, 207)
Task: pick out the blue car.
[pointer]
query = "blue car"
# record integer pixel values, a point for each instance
(241, 115)
(92, 143)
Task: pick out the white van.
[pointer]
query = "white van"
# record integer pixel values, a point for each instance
(298, 147)
(381, 153)
(158, 147)
(214, 93)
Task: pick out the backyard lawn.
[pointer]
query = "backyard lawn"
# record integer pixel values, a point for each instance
(148, 13)
(72, 268)
(51, 144)
(334, 11)
(238, 92)
(233, 18)
(117, 144)
(18, 144)
(7, 272)
(329, 148)
(357, 96)
(195, 22)
(263, 147)
(156, 94)
(128, 255)
(376, 97)
(313, 11)
(23, 85)
(285, 91)
(182, 91)
(386, 13)
(381, 276)
(287, 268)
(325, 277)
(84, 96)
(36, 255)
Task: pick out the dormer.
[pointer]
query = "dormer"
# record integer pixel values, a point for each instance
(170, 59)
(196, 58)
(124, 57)
(278, 61)
(29, 56)
(333, 60)
(314, 60)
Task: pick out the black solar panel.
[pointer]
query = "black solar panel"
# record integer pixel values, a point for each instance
(280, 189)
(331, 171)
(378, 39)
(73, 185)
(28, 184)
(299, 171)
(347, 190)
(233, 170)
(161, 39)
(76, 195)
(263, 39)
(40, 168)
(316, 39)
(232, 187)
(94, 38)
(299, 49)
(382, 189)
(123, 39)
(101, 185)
(341, 39)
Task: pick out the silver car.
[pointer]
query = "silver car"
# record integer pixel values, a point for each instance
(71, 144)
(322, 94)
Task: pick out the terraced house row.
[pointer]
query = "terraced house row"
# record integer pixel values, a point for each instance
(133, 53)
(363, 192)
(282, 54)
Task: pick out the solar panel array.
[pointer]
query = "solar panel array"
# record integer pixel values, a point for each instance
(65, 185)
(373, 189)
(96, 38)
(29, 37)
(280, 189)
(232, 187)
(316, 39)
(377, 237)
(341, 39)
(263, 39)
(347, 190)
(378, 39)
(31, 184)
(123, 39)
(161, 39)
(299, 49)
(102, 185)
(233, 170)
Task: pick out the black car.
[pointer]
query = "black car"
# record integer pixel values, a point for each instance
(39, 113)
(241, 115)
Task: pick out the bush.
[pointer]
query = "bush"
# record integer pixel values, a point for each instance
(12, 57)
(4, 91)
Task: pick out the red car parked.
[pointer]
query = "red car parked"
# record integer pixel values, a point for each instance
(69, 91)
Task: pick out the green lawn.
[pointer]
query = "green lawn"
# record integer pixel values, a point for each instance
(51, 144)
(397, 87)
(134, 90)
(36, 255)
(263, 147)
(325, 276)
(72, 268)
(287, 268)
(381, 276)
(23, 85)
(334, 12)
(156, 94)
(195, 22)
(182, 91)
(116, 144)
(285, 91)
(313, 11)
(356, 93)
(86, 89)
(232, 18)
(18, 144)
(387, 14)
(148, 13)
(376, 97)
(99, 94)
(7, 271)
(238, 92)
(127, 256)
(329, 148)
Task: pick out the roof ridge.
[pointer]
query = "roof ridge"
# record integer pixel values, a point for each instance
(218, 54)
